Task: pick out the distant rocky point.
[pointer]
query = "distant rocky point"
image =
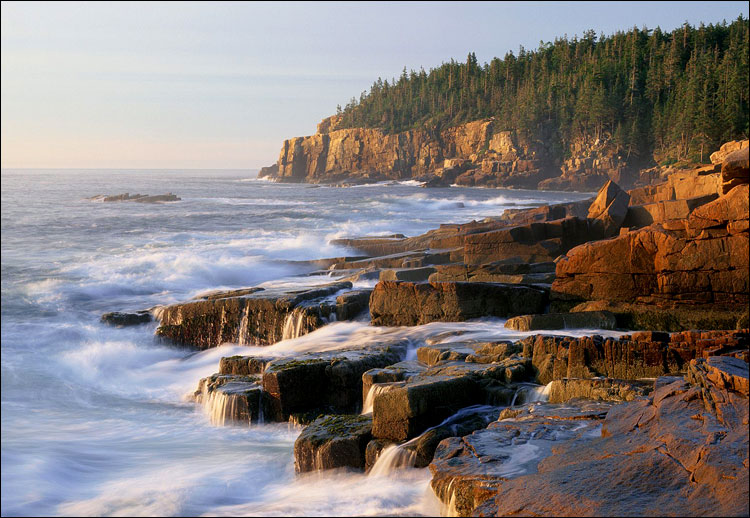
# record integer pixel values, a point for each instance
(141, 198)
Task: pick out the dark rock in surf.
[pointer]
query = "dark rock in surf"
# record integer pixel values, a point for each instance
(127, 319)
(333, 441)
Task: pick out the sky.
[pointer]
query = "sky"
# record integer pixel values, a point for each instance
(222, 85)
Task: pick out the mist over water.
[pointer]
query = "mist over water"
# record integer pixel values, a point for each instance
(95, 419)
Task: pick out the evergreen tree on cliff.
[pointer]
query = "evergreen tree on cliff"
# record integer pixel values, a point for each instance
(674, 95)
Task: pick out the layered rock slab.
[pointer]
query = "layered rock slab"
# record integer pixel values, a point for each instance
(642, 355)
(701, 260)
(252, 316)
(395, 303)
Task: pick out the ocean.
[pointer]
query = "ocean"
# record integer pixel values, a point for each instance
(97, 420)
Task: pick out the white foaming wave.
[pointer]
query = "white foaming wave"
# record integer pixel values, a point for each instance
(341, 493)
(129, 368)
(257, 202)
(359, 334)
(263, 179)
(177, 271)
(218, 468)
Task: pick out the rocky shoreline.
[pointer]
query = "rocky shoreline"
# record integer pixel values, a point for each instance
(652, 422)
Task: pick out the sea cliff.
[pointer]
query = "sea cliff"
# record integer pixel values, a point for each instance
(477, 153)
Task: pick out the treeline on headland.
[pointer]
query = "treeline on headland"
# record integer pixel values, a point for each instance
(671, 95)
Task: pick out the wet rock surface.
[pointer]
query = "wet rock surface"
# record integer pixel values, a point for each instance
(251, 316)
(598, 389)
(333, 441)
(468, 471)
(327, 381)
(232, 399)
(690, 436)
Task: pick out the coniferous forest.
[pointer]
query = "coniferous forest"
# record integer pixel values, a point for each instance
(671, 95)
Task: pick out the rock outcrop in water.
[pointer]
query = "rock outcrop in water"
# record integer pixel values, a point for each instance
(140, 198)
(255, 315)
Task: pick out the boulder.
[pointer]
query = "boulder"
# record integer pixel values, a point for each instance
(609, 208)
(534, 242)
(726, 149)
(651, 317)
(735, 169)
(730, 208)
(333, 441)
(395, 303)
(406, 411)
(506, 272)
(352, 303)
(407, 274)
(644, 215)
(704, 263)
(694, 184)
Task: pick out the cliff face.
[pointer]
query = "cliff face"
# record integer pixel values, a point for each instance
(475, 153)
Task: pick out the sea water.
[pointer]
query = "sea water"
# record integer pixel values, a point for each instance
(96, 419)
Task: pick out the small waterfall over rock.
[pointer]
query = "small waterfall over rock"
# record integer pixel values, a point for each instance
(228, 399)
(222, 324)
(528, 393)
(400, 456)
(375, 389)
(450, 509)
(242, 330)
(392, 458)
(293, 323)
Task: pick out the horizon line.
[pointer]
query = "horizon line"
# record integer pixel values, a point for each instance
(134, 168)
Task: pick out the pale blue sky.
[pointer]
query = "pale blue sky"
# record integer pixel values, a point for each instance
(221, 85)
